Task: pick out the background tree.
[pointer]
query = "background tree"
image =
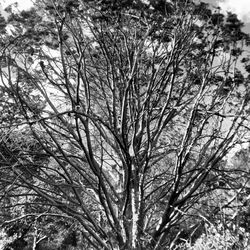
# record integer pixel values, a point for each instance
(132, 107)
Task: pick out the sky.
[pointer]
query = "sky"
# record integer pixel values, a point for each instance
(23, 4)
(240, 7)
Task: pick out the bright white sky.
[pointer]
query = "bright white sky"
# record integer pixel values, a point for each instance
(22, 4)
(240, 7)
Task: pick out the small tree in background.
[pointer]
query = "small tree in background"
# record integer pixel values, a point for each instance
(133, 105)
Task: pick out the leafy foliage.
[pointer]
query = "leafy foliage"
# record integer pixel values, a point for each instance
(122, 113)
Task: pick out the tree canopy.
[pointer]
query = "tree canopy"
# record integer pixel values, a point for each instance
(118, 117)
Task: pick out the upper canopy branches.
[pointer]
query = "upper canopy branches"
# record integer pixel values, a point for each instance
(134, 104)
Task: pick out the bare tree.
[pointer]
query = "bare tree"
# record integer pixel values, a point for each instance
(134, 106)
